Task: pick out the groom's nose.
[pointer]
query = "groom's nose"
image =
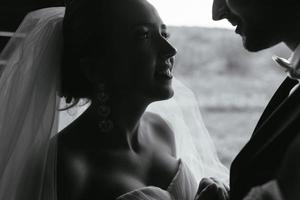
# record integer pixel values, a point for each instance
(219, 9)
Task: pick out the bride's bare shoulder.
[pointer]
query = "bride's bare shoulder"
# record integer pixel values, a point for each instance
(160, 128)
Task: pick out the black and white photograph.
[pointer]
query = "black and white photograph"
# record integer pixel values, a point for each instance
(149, 100)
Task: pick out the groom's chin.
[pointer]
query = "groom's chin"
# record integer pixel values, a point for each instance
(251, 47)
(255, 44)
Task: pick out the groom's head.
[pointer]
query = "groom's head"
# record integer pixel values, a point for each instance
(261, 23)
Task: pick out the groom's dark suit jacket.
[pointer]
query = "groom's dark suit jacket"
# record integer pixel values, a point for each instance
(260, 159)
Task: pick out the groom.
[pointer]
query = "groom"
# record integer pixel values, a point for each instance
(263, 24)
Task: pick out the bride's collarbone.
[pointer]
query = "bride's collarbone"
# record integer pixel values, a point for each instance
(110, 163)
(113, 176)
(112, 172)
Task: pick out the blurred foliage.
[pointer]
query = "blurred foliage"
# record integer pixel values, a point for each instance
(231, 84)
(219, 52)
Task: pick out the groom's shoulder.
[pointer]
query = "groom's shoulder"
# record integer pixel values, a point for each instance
(293, 153)
(289, 174)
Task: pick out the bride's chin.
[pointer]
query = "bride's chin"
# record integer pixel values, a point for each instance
(165, 94)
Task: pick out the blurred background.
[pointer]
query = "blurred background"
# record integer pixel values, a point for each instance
(232, 86)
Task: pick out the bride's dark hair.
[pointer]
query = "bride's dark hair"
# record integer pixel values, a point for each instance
(81, 37)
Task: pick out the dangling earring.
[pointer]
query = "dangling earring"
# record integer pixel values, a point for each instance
(103, 110)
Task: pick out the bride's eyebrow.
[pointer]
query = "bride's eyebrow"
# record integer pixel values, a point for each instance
(152, 25)
(142, 24)
(163, 26)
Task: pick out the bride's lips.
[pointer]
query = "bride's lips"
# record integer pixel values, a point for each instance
(239, 29)
(164, 72)
(235, 21)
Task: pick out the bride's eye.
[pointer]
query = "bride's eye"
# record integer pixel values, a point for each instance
(166, 35)
(143, 33)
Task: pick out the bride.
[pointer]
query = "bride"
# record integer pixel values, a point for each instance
(115, 54)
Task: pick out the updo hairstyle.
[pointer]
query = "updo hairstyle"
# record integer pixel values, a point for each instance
(81, 38)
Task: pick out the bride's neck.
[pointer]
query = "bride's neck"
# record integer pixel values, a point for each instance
(126, 113)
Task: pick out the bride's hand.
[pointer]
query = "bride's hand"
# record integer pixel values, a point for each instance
(212, 189)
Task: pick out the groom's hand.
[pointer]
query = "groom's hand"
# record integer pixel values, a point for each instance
(212, 189)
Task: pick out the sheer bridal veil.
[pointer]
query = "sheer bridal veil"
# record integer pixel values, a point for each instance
(29, 86)
(29, 101)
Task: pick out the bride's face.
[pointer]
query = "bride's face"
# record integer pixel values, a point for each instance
(141, 58)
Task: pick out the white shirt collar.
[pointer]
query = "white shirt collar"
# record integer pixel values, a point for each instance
(292, 65)
(295, 57)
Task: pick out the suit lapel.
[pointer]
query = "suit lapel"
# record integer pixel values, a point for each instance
(274, 128)
(280, 95)
(272, 125)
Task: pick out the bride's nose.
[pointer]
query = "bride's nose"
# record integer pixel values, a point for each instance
(167, 50)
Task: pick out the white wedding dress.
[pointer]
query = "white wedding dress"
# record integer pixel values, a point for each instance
(182, 187)
(29, 120)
